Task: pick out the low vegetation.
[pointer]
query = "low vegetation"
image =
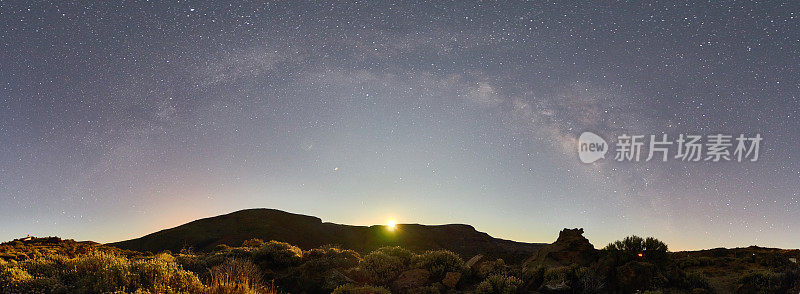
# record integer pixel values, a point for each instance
(32, 247)
(630, 265)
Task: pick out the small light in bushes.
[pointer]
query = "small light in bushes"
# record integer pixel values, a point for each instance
(640, 254)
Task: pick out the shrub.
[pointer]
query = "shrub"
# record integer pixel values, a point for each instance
(696, 280)
(381, 268)
(353, 289)
(764, 282)
(705, 261)
(385, 264)
(253, 243)
(44, 285)
(323, 269)
(332, 257)
(499, 284)
(239, 253)
(651, 249)
(45, 267)
(404, 255)
(98, 273)
(277, 255)
(431, 289)
(439, 262)
(236, 276)
(559, 275)
(162, 275)
(206, 261)
(221, 248)
(496, 267)
(13, 279)
(589, 281)
(654, 251)
(534, 277)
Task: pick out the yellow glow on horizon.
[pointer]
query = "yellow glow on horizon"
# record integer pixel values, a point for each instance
(391, 225)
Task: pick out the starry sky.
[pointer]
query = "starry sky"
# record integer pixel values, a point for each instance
(120, 119)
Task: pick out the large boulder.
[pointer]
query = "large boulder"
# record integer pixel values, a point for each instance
(555, 287)
(411, 279)
(570, 248)
(475, 260)
(451, 279)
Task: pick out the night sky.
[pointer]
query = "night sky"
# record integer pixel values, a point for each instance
(117, 120)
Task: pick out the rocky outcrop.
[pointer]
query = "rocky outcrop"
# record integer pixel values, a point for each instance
(411, 279)
(451, 279)
(570, 248)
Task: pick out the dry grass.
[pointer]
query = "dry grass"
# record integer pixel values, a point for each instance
(237, 276)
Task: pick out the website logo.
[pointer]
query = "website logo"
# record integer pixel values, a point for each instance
(683, 147)
(591, 147)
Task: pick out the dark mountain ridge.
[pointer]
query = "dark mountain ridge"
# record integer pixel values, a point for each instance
(310, 232)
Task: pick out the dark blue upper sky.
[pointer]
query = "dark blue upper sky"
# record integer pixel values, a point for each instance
(117, 120)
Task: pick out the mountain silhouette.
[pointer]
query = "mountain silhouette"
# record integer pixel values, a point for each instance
(310, 232)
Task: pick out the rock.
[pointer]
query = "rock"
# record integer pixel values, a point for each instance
(474, 260)
(571, 247)
(411, 279)
(477, 265)
(561, 287)
(451, 279)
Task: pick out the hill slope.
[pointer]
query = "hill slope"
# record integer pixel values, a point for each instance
(309, 232)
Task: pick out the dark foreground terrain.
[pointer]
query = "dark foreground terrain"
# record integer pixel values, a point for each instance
(229, 254)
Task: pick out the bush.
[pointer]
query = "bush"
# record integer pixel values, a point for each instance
(405, 255)
(589, 281)
(385, 264)
(45, 267)
(499, 284)
(431, 289)
(439, 262)
(705, 261)
(253, 243)
(98, 273)
(381, 268)
(221, 248)
(764, 282)
(277, 255)
(236, 276)
(332, 257)
(559, 275)
(353, 289)
(323, 269)
(651, 249)
(534, 277)
(162, 275)
(13, 279)
(239, 253)
(696, 280)
(496, 267)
